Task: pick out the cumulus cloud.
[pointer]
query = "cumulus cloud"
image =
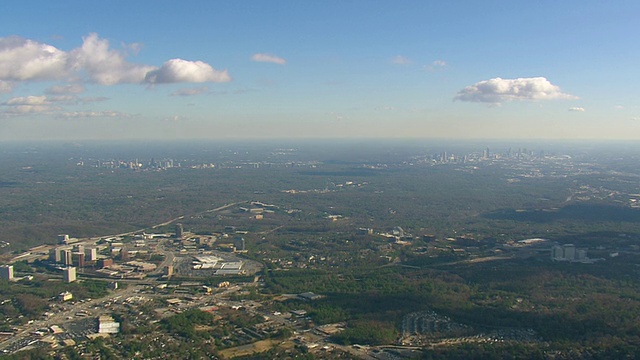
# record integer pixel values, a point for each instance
(191, 91)
(260, 57)
(23, 59)
(178, 70)
(401, 60)
(43, 103)
(66, 89)
(29, 109)
(27, 60)
(27, 105)
(106, 66)
(577, 109)
(498, 90)
(28, 100)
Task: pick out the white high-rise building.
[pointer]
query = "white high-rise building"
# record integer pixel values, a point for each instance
(69, 274)
(68, 257)
(63, 239)
(91, 254)
(6, 272)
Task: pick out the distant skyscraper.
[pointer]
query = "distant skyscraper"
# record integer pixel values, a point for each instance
(63, 239)
(486, 153)
(55, 255)
(81, 259)
(569, 251)
(91, 254)
(557, 253)
(124, 254)
(68, 257)
(239, 244)
(6, 272)
(69, 274)
(179, 231)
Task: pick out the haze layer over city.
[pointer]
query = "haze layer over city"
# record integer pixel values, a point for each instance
(331, 180)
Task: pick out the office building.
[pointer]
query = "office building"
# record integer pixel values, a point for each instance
(107, 325)
(569, 251)
(68, 257)
(168, 271)
(179, 231)
(6, 272)
(240, 244)
(91, 254)
(80, 257)
(124, 254)
(69, 274)
(54, 255)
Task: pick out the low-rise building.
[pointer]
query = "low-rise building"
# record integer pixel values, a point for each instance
(107, 325)
(65, 296)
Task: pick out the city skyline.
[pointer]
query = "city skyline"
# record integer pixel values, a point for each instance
(266, 70)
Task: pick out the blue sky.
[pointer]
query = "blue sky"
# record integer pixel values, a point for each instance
(300, 69)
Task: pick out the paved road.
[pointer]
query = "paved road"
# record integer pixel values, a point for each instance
(43, 250)
(61, 317)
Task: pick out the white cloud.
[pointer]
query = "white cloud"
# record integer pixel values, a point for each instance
(401, 60)
(29, 109)
(106, 66)
(259, 57)
(93, 114)
(27, 105)
(66, 89)
(497, 90)
(28, 60)
(619, 107)
(5, 87)
(176, 118)
(439, 63)
(578, 109)
(28, 100)
(23, 59)
(178, 70)
(436, 65)
(191, 91)
(91, 99)
(133, 47)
